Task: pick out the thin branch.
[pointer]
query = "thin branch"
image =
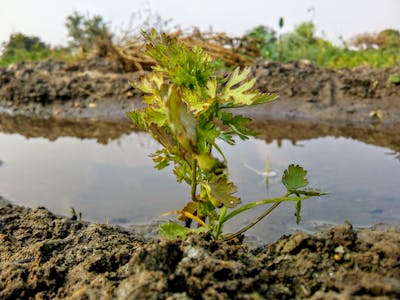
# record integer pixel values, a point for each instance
(194, 179)
(244, 229)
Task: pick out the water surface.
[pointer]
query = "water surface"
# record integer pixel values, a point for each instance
(115, 180)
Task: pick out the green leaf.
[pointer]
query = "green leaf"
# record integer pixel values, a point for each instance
(211, 87)
(172, 230)
(191, 207)
(195, 101)
(181, 121)
(265, 99)
(227, 138)
(150, 84)
(238, 91)
(207, 209)
(394, 78)
(161, 159)
(207, 132)
(236, 77)
(294, 177)
(164, 136)
(189, 68)
(220, 192)
(209, 163)
(237, 124)
(310, 192)
(182, 170)
(156, 116)
(137, 117)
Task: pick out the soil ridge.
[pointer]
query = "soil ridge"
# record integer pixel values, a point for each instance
(44, 256)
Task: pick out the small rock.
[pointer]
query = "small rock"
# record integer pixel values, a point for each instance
(294, 244)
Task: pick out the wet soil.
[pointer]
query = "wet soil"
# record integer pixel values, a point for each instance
(99, 88)
(44, 256)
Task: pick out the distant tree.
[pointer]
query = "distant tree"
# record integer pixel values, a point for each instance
(388, 38)
(265, 40)
(303, 43)
(84, 31)
(306, 30)
(20, 42)
(364, 41)
(300, 38)
(263, 33)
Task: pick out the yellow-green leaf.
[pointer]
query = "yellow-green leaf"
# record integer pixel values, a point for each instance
(137, 118)
(208, 163)
(221, 192)
(238, 91)
(211, 87)
(181, 120)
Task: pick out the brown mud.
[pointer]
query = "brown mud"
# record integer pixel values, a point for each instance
(43, 256)
(97, 88)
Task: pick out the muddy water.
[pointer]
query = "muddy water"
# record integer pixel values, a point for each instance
(112, 179)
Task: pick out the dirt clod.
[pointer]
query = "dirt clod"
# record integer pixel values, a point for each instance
(43, 256)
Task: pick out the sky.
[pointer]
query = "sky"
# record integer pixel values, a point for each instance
(46, 18)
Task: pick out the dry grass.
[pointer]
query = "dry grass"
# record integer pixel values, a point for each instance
(232, 51)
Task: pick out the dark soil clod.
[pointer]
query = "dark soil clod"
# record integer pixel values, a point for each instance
(43, 256)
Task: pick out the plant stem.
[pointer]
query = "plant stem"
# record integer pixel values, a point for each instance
(261, 202)
(194, 179)
(222, 214)
(266, 213)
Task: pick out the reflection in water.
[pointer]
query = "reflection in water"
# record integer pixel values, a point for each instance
(116, 180)
(105, 131)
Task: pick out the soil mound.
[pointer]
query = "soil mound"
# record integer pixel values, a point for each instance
(54, 88)
(43, 256)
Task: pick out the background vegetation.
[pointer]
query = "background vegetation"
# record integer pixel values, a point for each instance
(375, 50)
(84, 31)
(21, 47)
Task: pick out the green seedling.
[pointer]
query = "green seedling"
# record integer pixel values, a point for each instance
(394, 78)
(187, 109)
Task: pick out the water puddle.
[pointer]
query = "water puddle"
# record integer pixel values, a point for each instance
(114, 179)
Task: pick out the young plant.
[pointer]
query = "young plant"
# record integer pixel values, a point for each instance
(186, 111)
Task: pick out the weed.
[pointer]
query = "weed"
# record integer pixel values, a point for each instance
(186, 111)
(394, 78)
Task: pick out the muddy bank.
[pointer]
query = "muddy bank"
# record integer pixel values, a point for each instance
(340, 96)
(44, 256)
(98, 88)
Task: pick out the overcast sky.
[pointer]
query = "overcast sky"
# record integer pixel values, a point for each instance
(46, 18)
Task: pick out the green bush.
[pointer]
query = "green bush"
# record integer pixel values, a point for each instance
(19, 41)
(21, 47)
(84, 31)
(265, 38)
(302, 43)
